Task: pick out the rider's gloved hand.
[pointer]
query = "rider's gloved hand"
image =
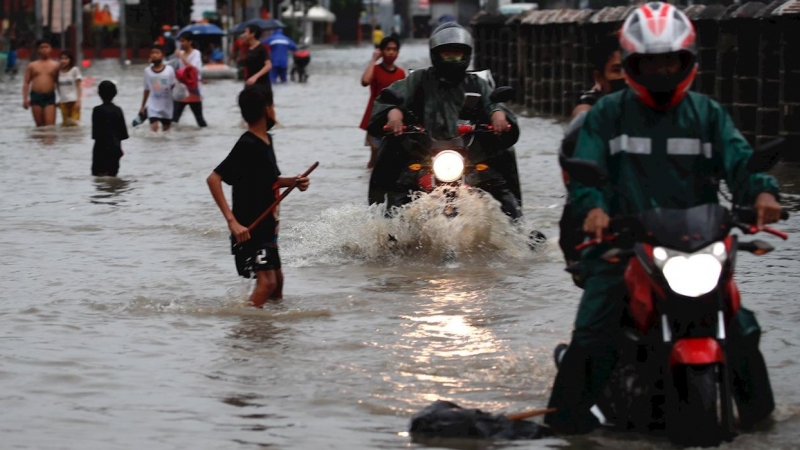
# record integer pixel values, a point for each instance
(395, 123)
(500, 122)
(767, 208)
(596, 223)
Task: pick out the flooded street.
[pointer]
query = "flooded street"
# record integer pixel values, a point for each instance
(124, 323)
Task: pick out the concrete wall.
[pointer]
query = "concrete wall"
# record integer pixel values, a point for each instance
(749, 60)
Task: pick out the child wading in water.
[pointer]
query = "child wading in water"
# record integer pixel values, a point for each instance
(108, 132)
(159, 80)
(39, 87)
(252, 171)
(69, 90)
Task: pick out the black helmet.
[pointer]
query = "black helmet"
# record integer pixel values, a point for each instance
(451, 34)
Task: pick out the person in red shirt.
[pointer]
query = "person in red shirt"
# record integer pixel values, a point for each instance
(379, 76)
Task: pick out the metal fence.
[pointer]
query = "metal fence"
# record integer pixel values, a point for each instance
(749, 59)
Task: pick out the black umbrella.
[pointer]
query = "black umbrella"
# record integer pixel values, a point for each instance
(264, 24)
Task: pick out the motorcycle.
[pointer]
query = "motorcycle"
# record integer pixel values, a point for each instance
(672, 372)
(414, 163)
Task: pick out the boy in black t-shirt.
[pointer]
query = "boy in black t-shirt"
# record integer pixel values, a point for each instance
(252, 171)
(257, 62)
(108, 132)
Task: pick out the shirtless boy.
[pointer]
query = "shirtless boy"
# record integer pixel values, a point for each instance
(39, 88)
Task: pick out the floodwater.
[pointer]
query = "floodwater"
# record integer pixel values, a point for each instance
(124, 324)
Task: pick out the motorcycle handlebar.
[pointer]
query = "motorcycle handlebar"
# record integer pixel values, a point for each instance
(743, 219)
(749, 215)
(406, 128)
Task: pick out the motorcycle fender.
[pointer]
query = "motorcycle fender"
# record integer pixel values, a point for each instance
(696, 351)
(640, 295)
(426, 182)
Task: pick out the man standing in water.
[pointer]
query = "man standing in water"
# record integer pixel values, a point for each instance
(252, 170)
(379, 76)
(39, 87)
(189, 56)
(280, 45)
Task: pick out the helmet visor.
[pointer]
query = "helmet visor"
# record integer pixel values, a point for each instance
(660, 72)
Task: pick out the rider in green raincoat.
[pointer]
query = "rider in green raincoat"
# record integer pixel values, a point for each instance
(662, 147)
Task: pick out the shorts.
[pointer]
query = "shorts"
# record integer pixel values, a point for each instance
(372, 141)
(43, 100)
(255, 256)
(70, 113)
(159, 119)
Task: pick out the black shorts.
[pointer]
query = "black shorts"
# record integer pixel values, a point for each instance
(159, 119)
(255, 256)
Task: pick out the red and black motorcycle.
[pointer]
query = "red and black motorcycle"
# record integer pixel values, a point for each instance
(673, 370)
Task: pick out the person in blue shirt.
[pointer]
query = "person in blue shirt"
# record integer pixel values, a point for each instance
(279, 45)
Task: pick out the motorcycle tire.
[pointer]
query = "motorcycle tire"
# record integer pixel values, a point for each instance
(694, 416)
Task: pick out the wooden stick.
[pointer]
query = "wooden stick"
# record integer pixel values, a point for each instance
(529, 414)
(280, 198)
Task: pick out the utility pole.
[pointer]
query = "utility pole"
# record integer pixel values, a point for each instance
(78, 21)
(123, 34)
(493, 7)
(37, 30)
(372, 19)
(63, 33)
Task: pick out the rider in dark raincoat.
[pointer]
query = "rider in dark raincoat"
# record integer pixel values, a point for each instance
(433, 97)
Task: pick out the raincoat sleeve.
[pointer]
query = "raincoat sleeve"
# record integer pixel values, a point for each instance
(734, 152)
(506, 139)
(592, 146)
(380, 111)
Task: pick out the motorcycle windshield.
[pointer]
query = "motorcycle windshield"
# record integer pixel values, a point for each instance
(686, 230)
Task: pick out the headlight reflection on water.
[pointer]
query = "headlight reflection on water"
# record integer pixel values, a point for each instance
(446, 349)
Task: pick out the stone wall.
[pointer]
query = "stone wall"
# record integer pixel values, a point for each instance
(749, 59)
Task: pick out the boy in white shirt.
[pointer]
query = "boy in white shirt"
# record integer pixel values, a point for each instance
(159, 79)
(69, 90)
(189, 56)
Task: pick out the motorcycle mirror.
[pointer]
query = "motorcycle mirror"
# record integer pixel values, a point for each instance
(756, 247)
(584, 172)
(766, 156)
(502, 94)
(391, 97)
(471, 102)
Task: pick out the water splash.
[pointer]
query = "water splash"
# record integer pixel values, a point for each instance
(419, 231)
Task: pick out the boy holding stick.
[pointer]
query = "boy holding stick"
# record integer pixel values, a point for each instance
(251, 169)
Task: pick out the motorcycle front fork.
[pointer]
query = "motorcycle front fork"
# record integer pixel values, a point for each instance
(724, 375)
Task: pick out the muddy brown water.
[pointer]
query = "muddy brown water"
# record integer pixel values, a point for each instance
(123, 323)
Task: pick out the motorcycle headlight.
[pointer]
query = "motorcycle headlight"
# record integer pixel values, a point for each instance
(691, 275)
(448, 166)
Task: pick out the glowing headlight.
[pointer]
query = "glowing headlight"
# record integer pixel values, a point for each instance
(693, 274)
(448, 166)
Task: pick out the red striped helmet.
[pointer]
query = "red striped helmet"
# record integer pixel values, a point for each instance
(659, 54)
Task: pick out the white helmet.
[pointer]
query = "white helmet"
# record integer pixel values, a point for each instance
(658, 29)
